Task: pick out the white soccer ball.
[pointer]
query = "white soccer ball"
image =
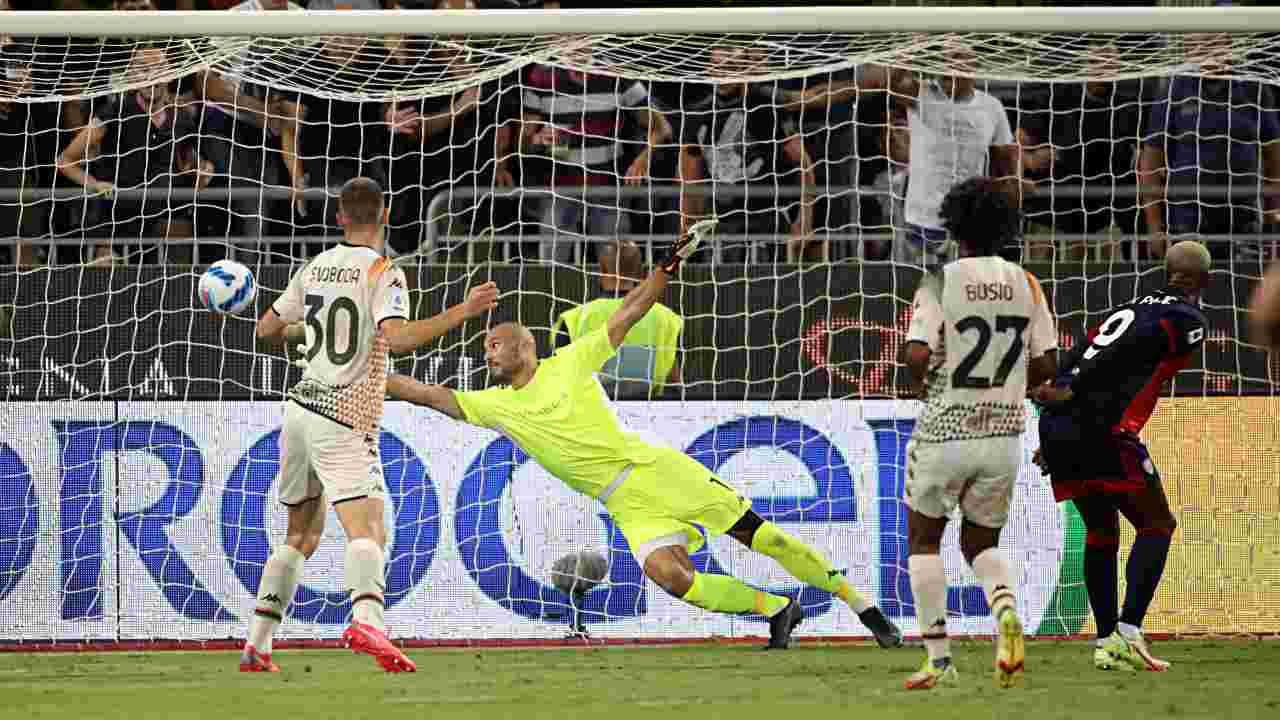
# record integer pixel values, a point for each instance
(227, 287)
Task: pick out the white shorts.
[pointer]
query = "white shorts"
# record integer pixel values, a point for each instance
(321, 457)
(977, 475)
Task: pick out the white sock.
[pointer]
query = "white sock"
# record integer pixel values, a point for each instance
(993, 571)
(275, 591)
(1129, 632)
(929, 585)
(365, 581)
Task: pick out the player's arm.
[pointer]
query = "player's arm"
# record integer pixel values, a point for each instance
(1264, 311)
(640, 300)
(405, 335)
(924, 333)
(437, 397)
(1042, 340)
(273, 331)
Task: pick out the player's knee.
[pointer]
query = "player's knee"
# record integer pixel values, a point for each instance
(975, 540)
(924, 534)
(668, 573)
(304, 542)
(1165, 525)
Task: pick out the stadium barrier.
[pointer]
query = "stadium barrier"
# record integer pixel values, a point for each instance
(151, 520)
(810, 333)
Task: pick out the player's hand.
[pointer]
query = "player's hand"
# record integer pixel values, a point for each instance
(502, 177)
(402, 122)
(1048, 395)
(481, 299)
(639, 169)
(1038, 458)
(297, 196)
(100, 187)
(688, 244)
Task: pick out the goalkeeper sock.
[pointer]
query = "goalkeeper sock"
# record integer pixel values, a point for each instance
(725, 594)
(275, 591)
(806, 564)
(365, 581)
(1100, 577)
(929, 586)
(1142, 574)
(993, 571)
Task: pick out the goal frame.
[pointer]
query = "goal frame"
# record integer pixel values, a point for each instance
(646, 21)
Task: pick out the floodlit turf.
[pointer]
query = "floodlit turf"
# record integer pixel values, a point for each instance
(1208, 680)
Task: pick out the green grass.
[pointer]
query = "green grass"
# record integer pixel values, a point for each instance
(823, 682)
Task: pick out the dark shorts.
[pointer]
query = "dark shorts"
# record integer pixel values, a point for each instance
(1085, 460)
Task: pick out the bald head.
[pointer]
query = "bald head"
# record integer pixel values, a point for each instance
(621, 265)
(1187, 266)
(511, 354)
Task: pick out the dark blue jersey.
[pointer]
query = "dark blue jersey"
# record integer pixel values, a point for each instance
(1116, 376)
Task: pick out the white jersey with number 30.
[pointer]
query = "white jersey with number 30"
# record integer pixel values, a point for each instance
(982, 318)
(343, 295)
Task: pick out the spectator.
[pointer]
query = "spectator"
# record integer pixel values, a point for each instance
(956, 132)
(646, 361)
(1204, 134)
(890, 187)
(142, 140)
(445, 141)
(251, 133)
(739, 136)
(19, 217)
(578, 121)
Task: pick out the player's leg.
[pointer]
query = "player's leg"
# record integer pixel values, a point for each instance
(1148, 511)
(299, 489)
(935, 479)
(811, 567)
(280, 576)
(350, 468)
(985, 505)
(1101, 546)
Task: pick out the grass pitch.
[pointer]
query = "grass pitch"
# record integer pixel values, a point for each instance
(1221, 679)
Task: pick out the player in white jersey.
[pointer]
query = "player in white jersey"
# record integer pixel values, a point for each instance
(351, 305)
(974, 324)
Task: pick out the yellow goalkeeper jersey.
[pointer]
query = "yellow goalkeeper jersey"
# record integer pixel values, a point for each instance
(562, 418)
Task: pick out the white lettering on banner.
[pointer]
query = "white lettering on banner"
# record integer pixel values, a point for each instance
(477, 525)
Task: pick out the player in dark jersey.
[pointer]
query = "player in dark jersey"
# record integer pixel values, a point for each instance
(1104, 393)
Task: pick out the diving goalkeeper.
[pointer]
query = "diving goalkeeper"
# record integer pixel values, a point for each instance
(557, 412)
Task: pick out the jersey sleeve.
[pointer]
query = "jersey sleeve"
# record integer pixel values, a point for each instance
(478, 406)
(926, 314)
(1043, 335)
(1184, 331)
(589, 353)
(289, 306)
(390, 293)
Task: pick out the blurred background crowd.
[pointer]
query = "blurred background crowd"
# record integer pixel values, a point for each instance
(838, 166)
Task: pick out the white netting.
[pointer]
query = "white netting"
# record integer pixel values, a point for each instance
(138, 447)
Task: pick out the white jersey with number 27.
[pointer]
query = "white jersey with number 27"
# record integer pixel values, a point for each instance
(982, 318)
(343, 295)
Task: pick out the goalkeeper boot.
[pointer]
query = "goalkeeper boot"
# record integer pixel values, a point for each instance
(886, 633)
(933, 673)
(781, 625)
(253, 661)
(371, 641)
(1010, 649)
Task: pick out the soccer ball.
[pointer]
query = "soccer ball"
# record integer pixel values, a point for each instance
(578, 572)
(227, 287)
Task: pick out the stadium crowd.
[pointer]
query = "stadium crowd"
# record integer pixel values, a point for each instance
(843, 165)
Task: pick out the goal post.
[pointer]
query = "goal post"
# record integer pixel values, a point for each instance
(139, 435)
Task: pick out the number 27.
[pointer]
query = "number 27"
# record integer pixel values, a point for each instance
(963, 377)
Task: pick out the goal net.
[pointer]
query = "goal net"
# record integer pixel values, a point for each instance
(556, 154)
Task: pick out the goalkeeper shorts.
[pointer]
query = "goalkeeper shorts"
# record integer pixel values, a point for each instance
(321, 457)
(672, 497)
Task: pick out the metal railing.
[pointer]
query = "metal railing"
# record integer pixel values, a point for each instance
(444, 204)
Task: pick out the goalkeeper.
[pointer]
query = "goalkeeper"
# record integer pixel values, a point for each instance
(556, 411)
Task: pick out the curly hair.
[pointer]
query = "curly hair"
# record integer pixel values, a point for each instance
(979, 214)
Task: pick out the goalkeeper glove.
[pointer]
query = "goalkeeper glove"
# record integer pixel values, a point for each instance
(688, 244)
